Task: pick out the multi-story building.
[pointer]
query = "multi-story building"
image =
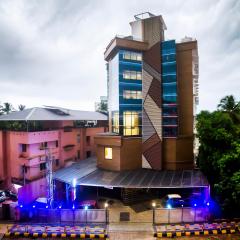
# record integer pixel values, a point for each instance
(27, 136)
(152, 94)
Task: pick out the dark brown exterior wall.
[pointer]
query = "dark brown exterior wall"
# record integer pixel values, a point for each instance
(126, 152)
(185, 87)
(178, 153)
(131, 153)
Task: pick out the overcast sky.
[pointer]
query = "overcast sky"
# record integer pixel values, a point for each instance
(51, 52)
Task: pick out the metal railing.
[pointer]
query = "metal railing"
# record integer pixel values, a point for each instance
(180, 215)
(70, 216)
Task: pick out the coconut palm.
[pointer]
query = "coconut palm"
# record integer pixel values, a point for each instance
(7, 108)
(231, 106)
(21, 107)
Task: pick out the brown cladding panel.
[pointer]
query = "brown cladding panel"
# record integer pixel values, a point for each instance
(154, 139)
(154, 156)
(152, 56)
(155, 92)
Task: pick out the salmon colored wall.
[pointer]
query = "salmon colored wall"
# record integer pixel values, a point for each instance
(10, 146)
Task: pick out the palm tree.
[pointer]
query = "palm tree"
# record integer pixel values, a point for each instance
(231, 106)
(7, 108)
(1, 110)
(21, 107)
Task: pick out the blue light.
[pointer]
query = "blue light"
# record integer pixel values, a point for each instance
(169, 206)
(60, 207)
(73, 207)
(86, 207)
(21, 206)
(47, 206)
(208, 204)
(182, 205)
(195, 204)
(34, 206)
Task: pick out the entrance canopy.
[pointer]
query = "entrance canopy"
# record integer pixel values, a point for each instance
(85, 173)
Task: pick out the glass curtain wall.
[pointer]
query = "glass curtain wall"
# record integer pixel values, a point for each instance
(169, 88)
(130, 93)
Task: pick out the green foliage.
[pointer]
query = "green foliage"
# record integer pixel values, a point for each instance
(219, 153)
(103, 107)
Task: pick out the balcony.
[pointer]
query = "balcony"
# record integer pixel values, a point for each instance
(68, 147)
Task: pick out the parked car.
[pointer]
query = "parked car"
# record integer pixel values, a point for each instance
(86, 204)
(3, 196)
(10, 195)
(173, 201)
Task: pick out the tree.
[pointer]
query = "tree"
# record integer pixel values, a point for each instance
(7, 108)
(103, 107)
(21, 107)
(231, 106)
(219, 154)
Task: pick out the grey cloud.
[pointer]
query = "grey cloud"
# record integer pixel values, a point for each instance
(51, 52)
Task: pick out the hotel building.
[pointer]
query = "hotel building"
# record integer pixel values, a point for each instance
(152, 95)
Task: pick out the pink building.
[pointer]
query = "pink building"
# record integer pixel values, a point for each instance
(25, 136)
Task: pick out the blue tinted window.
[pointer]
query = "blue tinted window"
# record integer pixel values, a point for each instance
(169, 99)
(169, 110)
(169, 121)
(169, 57)
(169, 88)
(169, 131)
(169, 68)
(169, 78)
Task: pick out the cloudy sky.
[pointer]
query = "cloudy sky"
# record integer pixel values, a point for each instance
(51, 51)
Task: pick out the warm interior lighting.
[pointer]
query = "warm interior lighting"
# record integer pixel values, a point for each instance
(108, 153)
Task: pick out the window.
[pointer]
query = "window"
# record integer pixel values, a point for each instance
(115, 122)
(24, 147)
(78, 138)
(131, 123)
(67, 129)
(108, 153)
(129, 94)
(88, 140)
(132, 56)
(57, 162)
(132, 75)
(56, 144)
(169, 131)
(42, 166)
(45, 144)
(88, 154)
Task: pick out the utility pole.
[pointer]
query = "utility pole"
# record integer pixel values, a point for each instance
(49, 176)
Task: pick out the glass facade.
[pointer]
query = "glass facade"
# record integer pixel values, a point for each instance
(125, 84)
(169, 89)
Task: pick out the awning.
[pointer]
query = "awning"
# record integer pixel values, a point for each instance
(89, 175)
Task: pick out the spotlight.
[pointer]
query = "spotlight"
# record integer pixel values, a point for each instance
(73, 207)
(208, 204)
(195, 204)
(153, 204)
(74, 182)
(47, 206)
(182, 205)
(169, 206)
(34, 206)
(21, 206)
(60, 207)
(106, 205)
(85, 207)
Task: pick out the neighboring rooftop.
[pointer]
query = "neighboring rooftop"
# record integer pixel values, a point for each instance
(52, 114)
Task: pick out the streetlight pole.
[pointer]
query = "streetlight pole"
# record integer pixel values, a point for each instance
(153, 208)
(106, 212)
